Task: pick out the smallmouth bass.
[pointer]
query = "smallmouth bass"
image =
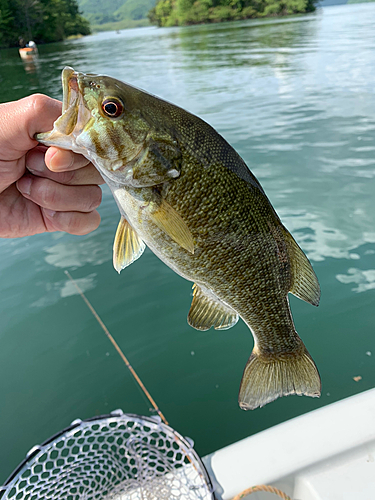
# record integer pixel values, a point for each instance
(184, 192)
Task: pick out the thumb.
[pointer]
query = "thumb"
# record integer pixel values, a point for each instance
(19, 122)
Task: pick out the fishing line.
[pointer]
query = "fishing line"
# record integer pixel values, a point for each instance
(254, 489)
(118, 349)
(116, 346)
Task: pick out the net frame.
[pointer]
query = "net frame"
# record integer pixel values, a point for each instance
(117, 456)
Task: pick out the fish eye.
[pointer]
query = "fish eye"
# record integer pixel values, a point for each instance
(112, 107)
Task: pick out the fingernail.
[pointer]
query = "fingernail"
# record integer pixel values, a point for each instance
(49, 213)
(35, 170)
(35, 161)
(24, 185)
(61, 160)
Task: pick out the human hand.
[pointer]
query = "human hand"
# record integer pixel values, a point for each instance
(33, 198)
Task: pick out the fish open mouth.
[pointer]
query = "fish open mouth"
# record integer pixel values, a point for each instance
(75, 114)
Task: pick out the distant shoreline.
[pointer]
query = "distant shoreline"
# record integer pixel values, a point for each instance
(120, 25)
(167, 13)
(142, 23)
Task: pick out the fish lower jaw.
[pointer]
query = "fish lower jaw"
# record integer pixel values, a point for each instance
(55, 138)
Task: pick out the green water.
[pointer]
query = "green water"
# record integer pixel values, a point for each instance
(296, 98)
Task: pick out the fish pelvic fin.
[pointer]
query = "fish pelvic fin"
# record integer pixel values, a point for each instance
(207, 310)
(269, 376)
(305, 284)
(127, 246)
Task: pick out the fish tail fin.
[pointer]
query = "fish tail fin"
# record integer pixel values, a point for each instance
(269, 376)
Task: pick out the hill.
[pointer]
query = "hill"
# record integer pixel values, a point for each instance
(116, 14)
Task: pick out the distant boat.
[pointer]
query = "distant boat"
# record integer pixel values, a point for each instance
(29, 52)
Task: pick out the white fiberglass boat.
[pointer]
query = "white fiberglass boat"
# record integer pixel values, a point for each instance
(327, 454)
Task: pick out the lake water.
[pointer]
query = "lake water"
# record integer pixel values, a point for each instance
(296, 98)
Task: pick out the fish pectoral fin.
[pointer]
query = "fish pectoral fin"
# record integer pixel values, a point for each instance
(269, 376)
(127, 246)
(207, 311)
(305, 284)
(169, 221)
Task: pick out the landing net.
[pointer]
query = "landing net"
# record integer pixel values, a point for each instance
(113, 457)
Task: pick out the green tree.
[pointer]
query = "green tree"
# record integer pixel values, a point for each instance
(60, 20)
(40, 20)
(6, 21)
(164, 13)
(284, 7)
(27, 14)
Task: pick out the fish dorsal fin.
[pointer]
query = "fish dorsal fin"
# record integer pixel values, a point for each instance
(127, 246)
(169, 221)
(206, 311)
(305, 284)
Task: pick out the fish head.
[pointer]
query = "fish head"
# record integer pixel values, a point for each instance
(101, 120)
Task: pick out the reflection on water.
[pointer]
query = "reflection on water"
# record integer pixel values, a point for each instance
(60, 289)
(31, 64)
(77, 254)
(249, 43)
(365, 280)
(295, 97)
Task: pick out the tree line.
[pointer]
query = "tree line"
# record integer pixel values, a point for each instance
(40, 20)
(183, 12)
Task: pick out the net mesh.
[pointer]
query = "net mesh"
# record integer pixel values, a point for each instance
(116, 457)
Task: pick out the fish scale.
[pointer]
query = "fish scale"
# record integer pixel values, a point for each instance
(184, 192)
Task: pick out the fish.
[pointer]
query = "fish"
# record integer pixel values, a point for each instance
(187, 195)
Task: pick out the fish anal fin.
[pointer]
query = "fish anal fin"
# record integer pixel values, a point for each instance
(207, 311)
(127, 246)
(269, 376)
(169, 221)
(305, 284)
